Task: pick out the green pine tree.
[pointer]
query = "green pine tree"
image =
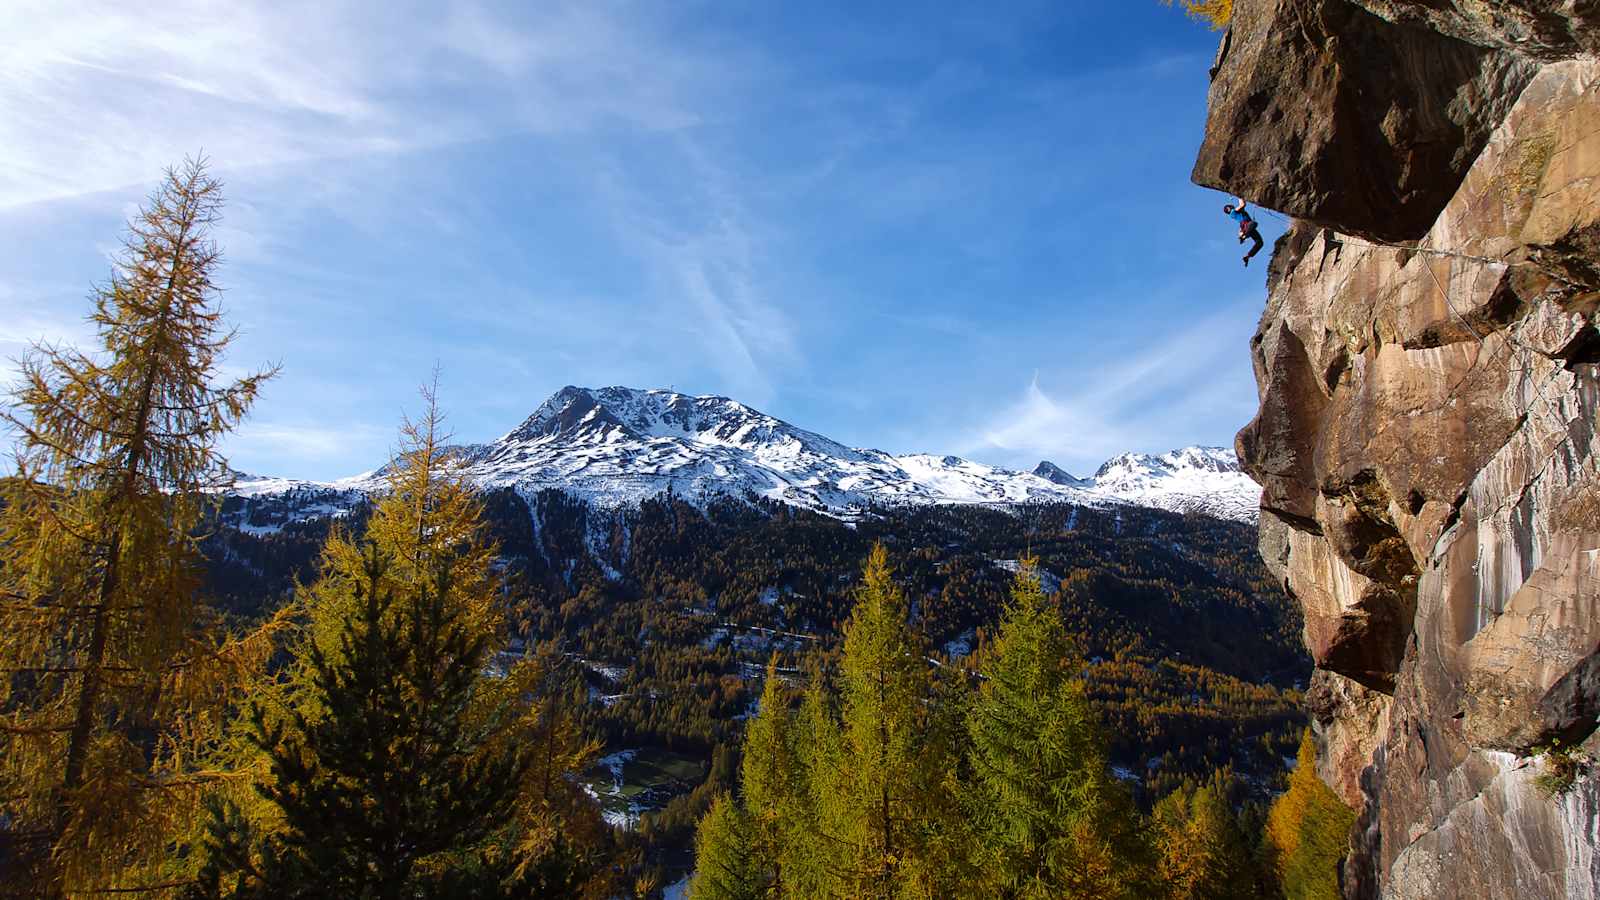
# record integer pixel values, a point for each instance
(770, 782)
(386, 793)
(396, 766)
(808, 854)
(725, 863)
(1048, 818)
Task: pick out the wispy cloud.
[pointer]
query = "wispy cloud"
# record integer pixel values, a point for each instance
(870, 221)
(1191, 381)
(708, 249)
(1077, 425)
(102, 94)
(309, 98)
(295, 445)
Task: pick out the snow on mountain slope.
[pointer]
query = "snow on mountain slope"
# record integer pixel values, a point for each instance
(1049, 471)
(1194, 479)
(616, 446)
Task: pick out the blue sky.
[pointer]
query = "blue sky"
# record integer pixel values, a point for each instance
(904, 226)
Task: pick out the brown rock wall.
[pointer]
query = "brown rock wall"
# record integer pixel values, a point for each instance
(1320, 109)
(1427, 439)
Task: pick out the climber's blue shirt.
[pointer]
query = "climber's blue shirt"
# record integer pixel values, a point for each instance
(1239, 216)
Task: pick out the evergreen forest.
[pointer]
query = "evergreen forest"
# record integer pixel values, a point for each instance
(437, 691)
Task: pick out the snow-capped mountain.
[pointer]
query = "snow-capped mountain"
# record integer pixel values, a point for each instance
(1194, 479)
(616, 446)
(1049, 471)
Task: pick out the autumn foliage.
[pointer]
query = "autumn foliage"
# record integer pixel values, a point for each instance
(1307, 831)
(1216, 13)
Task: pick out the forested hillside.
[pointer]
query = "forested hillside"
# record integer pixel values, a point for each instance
(429, 690)
(1191, 650)
(1191, 658)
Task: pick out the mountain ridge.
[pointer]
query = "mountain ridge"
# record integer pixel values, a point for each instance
(616, 446)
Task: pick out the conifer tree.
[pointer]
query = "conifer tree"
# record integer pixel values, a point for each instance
(386, 793)
(725, 864)
(1048, 818)
(878, 809)
(1308, 831)
(808, 855)
(1201, 851)
(398, 765)
(769, 780)
(112, 674)
(428, 522)
(555, 839)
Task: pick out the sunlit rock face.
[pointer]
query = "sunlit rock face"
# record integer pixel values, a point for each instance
(1426, 439)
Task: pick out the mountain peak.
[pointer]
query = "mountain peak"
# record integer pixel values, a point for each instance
(622, 413)
(1189, 479)
(1185, 459)
(568, 410)
(620, 445)
(1051, 472)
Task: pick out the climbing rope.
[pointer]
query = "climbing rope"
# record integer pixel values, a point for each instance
(1343, 238)
(1446, 295)
(1511, 339)
(1431, 251)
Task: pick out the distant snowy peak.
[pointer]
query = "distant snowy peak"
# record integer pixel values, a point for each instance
(1051, 472)
(569, 411)
(617, 446)
(621, 413)
(1177, 462)
(1191, 479)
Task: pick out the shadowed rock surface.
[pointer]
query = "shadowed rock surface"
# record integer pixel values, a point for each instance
(1426, 439)
(1323, 110)
(1542, 29)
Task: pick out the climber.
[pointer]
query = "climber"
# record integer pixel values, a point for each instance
(1247, 228)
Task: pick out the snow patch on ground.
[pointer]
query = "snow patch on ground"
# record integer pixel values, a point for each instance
(1048, 582)
(611, 673)
(960, 645)
(616, 818)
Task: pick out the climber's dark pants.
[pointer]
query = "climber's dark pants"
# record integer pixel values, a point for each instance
(1252, 233)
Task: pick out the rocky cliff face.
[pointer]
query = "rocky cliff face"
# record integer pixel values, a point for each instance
(1426, 440)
